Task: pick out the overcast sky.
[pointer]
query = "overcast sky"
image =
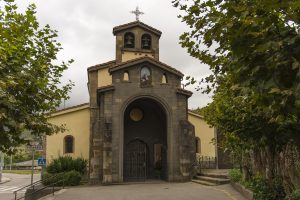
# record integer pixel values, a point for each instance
(85, 32)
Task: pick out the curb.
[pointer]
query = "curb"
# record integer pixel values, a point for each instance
(51, 196)
(248, 194)
(5, 180)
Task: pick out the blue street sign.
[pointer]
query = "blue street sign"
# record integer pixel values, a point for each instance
(42, 162)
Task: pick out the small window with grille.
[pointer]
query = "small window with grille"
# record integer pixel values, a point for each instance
(69, 144)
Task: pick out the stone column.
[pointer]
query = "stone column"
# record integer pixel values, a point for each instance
(107, 152)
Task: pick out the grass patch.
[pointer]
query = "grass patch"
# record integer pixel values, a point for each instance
(20, 171)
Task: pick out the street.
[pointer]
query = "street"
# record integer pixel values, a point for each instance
(17, 181)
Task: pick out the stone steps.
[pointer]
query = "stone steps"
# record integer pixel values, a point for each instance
(214, 175)
(203, 182)
(208, 180)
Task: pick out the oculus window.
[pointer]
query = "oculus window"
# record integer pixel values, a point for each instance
(136, 114)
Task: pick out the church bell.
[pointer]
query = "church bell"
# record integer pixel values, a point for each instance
(129, 42)
(146, 44)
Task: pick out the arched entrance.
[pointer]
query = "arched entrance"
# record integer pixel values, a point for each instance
(145, 141)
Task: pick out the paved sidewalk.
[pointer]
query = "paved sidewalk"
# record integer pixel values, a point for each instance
(158, 191)
(4, 180)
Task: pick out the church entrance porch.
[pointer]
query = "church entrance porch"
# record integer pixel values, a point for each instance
(145, 141)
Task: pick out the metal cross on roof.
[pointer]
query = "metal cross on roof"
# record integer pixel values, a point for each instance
(137, 13)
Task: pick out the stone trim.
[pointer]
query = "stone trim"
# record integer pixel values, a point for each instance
(184, 92)
(136, 23)
(105, 88)
(145, 59)
(195, 114)
(138, 50)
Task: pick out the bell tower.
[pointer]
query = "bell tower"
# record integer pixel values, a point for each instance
(135, 40)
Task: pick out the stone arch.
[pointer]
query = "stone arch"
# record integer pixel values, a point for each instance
(167, 111)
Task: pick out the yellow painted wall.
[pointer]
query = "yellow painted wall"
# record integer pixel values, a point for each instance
(77, 121)
(104, 78)
(133, 55)
(205, 133)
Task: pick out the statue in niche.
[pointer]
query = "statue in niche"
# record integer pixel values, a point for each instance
(145, 76)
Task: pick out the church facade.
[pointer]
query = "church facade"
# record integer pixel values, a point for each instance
(137, 115)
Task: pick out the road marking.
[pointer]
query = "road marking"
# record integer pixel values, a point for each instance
(11, 189)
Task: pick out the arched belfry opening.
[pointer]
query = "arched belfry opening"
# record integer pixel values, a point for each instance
(146, 41)
(129, 40)
(145, 141)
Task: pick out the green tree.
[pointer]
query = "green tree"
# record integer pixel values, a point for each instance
(253, 50)
(29, 78)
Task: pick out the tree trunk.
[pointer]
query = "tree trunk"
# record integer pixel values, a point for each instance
(290, 167)
(258, 164)
(270, 167)
(245, 166)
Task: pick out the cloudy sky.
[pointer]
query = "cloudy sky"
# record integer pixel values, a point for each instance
(85, 32)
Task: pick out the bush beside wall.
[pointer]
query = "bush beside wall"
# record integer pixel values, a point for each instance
(67, 169)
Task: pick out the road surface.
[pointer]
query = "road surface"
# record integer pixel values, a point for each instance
(17, 181)
(149, 191)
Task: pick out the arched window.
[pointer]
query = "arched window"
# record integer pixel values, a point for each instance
(126, 76)
(146, 41)
(164, 79)
(145, 76)
(198, 145)
(129, 40)
(69, 144)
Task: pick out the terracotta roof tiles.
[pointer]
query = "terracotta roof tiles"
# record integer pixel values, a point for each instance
(102, 65)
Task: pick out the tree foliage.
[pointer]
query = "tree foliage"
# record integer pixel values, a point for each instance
(29, 80)
(253, 49)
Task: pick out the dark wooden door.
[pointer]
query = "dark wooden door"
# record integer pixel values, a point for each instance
(135, 161)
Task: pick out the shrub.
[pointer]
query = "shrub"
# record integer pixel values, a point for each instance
(235, 175)
(67, 163)
(80, 165)
(295, 195)
(65, 168)
(70, 178)
(49, 179)
(266, 190)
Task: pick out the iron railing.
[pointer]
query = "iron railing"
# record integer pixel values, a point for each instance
(207, 162)
(39, 186)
